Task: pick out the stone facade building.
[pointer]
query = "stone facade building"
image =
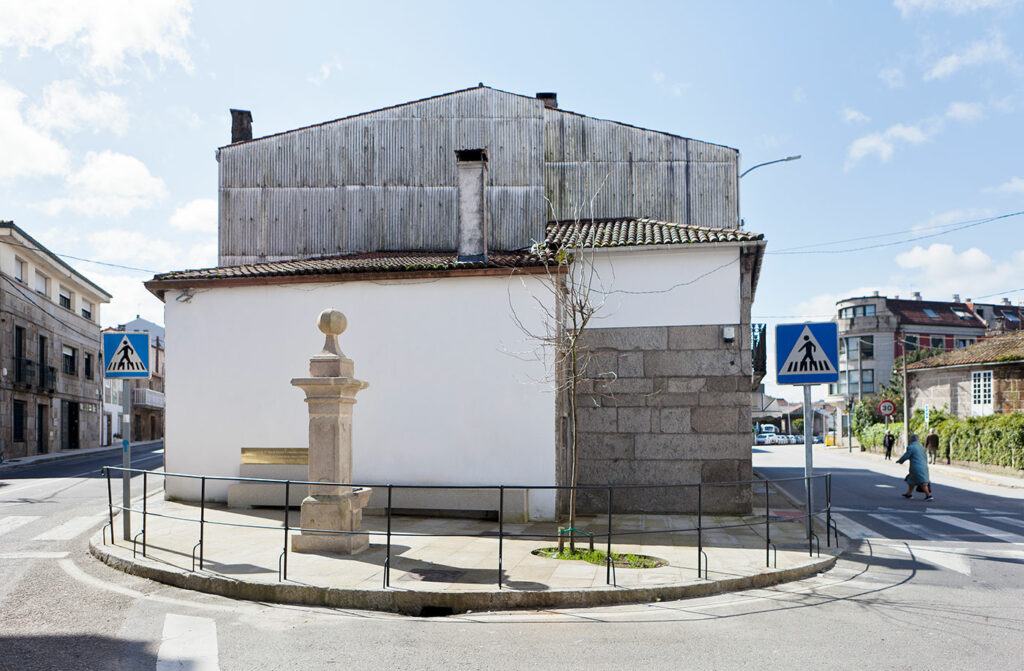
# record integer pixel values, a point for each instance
(51, 389)
(983, 379)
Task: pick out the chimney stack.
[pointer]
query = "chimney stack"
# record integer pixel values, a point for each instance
(241, 125)
(917, 295)
(874, 294)
(471, 169)
(1006, 301)
(956, 298)
(549, 99)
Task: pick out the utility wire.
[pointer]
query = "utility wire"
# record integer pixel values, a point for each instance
(77, 258)
(955, 227)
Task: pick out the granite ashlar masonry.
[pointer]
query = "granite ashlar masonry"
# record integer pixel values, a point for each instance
(666, 405)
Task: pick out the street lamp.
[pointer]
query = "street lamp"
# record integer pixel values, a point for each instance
(778, 160)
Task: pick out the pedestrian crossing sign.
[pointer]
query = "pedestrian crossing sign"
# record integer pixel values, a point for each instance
(126, 354)
(807, 353)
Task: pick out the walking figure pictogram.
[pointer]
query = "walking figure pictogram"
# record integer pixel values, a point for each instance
(808, 348)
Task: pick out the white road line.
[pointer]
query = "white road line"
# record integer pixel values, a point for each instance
(991, 532)
(78, 574)
(852, 529)
(33, 555)
(951, 558)
(903, 522)
(12, 522)
(39, 482)
(1010, 520)
(70, 529)
(189, 644)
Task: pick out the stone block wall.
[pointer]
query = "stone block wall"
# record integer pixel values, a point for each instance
(1008, 388)
(666, 405)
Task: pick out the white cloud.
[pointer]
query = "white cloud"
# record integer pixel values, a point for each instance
(107, 32)
(1015, 185)
(129, 298)
(326, 71)
(26, 151)
(667, 87)
(966, 112)
(799, 96)
(952, 217)
(109, 184)
(991, 50)
(199, 215)
(883, 144)
(854, 116)
(972, 272)
(65, 107)
(954, 7)
(893, 77)
(141, 250)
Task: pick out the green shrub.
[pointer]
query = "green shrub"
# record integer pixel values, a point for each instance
(997, 440)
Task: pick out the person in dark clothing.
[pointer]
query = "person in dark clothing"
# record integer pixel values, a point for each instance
(888, 440)
(931, 444)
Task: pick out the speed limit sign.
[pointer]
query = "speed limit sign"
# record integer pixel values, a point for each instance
(887, 408)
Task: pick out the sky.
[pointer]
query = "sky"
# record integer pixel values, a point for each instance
(908, 115)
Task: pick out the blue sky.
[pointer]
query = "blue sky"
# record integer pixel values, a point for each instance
(908, 115)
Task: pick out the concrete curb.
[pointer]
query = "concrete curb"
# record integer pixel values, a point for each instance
(443, 603)
(36, 460)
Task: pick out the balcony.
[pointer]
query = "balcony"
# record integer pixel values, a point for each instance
(24, 371)
(47, 379)
(758, 354)
(148, 398)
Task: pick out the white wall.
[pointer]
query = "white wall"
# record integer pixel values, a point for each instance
(675, 286)
(449, 401)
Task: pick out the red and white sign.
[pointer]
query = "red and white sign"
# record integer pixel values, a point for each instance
(887, 408)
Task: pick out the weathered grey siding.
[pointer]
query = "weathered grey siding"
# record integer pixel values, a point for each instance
(386, 180)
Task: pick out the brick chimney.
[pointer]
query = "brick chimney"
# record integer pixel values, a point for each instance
(917, 295)
(241, 125)
(956, 298)
(471, 174)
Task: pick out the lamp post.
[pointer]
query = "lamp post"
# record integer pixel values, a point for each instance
(778, 160)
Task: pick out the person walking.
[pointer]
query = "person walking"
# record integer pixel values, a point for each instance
(931, 443)
(888, 440)
(918, 475)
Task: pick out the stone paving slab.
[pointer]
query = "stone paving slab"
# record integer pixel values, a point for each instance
(452, 564)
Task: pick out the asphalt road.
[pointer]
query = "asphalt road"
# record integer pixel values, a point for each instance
(917, 589)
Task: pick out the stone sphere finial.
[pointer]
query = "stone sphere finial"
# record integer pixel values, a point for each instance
(332, 322)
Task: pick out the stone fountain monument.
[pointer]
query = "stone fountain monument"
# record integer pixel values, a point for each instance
(330, 394)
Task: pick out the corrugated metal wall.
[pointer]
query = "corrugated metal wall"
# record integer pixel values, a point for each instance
(386, 180)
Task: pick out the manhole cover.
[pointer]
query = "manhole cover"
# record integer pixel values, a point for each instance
(432, 575)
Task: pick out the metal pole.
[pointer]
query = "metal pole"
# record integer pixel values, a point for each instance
(145, 496)
(808, 455)
(202, 519)
(860, 373)
(387, 557)
(906, 396)
(608, 557)
(110, 504)
(501, 528)
(287, 502)
(700, 532)
(126, 488)
(767, 527)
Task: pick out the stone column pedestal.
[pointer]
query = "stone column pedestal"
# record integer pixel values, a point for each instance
(330, 394)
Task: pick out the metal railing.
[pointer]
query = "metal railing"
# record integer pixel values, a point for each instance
(24, 371)
(48, 378)
(149, 398)
(813, 543)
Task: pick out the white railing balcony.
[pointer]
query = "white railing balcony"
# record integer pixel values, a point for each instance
(149, 398)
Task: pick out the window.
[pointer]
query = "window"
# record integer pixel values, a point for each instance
(910, 342)
(88, 366)
(42, 284)
(964, 342)
(981, 393)
(87, 310)
(18, 425)
(106, 391)
(19, 270)
(867, 378)
(1010, 316)
(869, 310)
(962, 314)
(64, 296)
(70, 360)
(938, 342)
(857, 346)
(931, 313)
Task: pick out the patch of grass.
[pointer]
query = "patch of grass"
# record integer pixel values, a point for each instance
(598, 557)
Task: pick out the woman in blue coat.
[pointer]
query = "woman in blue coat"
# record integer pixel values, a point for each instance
(918, 474)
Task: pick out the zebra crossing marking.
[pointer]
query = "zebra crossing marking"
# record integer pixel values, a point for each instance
(70, 529)
(188, 643)
(852, 529)
(900, 522)
(33, 555)
(992, 532)
(12, 522)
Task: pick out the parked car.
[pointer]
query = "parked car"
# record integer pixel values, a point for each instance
(761, 439)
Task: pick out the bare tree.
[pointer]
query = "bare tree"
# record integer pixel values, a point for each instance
(572, 296)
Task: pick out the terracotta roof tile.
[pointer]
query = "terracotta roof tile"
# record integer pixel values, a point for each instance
(637, 232)
(1009, 347)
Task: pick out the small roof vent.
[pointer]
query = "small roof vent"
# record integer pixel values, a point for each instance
(549, 99)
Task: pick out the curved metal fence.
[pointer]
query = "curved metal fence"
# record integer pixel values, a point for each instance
(808, 516)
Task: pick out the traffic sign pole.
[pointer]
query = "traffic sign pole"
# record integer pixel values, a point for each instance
(808, 454)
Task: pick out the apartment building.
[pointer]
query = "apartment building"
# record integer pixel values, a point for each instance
(51, 383)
